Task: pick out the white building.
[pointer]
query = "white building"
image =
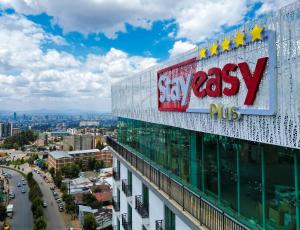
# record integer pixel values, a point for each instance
(211, 139)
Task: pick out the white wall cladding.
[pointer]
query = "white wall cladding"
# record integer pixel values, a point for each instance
(136, 97)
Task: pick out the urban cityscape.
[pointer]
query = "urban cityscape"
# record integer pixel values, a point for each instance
(149, 115)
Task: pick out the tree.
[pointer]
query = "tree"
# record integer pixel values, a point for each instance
(99, 145)
(88, 198)
(20, 139)
(52, 171)
(44, 165)
(91, 163)
(57, 179)
(79, 163)
(68, 198)
(96, 204)
(89, 222)
(70, 207)
(70, 170)
(40, 223)
(2, 212)
(64, 188)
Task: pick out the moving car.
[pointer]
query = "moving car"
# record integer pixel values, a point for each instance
(19, 184)
(23, 190)
(23, 183)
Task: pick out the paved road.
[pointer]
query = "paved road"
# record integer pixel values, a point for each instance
(53, 216)
(22, 218)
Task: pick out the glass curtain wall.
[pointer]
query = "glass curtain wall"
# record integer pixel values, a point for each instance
(256, 183)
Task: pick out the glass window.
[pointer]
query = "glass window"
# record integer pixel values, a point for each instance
(228, 154)
(169, 219)
(210, 143)
(250, 182)
(280, 188)
(229, 170)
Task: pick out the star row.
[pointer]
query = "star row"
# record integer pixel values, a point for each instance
(226, 45)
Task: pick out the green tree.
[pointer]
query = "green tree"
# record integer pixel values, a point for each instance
(70, 207)
(57, 179)
(2, 212)
(40, 223)
(88, 198)
(64, 188)
(67, 198)
(52, 171)
(79, 163)
(89, 222)
(70, 170)
(91, 163)
(20, 139)
(96, 204)
(99, 145)
(44, 165)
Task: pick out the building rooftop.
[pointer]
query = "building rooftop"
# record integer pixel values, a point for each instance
(83, 151)
(107, 148)
(60, 154)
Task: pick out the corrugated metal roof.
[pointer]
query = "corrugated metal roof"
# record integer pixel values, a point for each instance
(60, 154)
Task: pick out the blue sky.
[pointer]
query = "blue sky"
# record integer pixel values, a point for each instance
(62, 54)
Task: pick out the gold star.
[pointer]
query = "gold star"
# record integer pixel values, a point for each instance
(256, 33)
(225, 44)
(239, 39)
(202, 53)
(213, 49)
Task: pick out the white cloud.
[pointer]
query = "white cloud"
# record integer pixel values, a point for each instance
(180, 47)
(31, 77)
(195, 19)
(272, 5)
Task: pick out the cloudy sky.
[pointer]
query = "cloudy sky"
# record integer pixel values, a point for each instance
(65, 54)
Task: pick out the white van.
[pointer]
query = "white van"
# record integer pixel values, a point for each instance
(10, 210)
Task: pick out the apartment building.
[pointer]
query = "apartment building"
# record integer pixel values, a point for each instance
(78, 142)
(58, 159)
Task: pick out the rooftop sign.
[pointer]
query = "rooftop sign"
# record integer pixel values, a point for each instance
(225, 77)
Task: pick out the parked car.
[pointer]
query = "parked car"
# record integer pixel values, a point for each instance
(12, 195)
(45, 204)
(23, 183)
(19, 184)
(23, 190)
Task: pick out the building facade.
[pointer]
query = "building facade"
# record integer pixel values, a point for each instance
(106, 156)
(211, 139)
(6, 130)
(78, 142)
(59, 159)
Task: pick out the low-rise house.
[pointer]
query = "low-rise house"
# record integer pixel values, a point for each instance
(103, 216)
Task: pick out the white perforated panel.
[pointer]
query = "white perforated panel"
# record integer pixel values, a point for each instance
(136, 97)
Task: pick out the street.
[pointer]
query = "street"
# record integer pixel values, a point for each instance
(22, 218)
(52, 215)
